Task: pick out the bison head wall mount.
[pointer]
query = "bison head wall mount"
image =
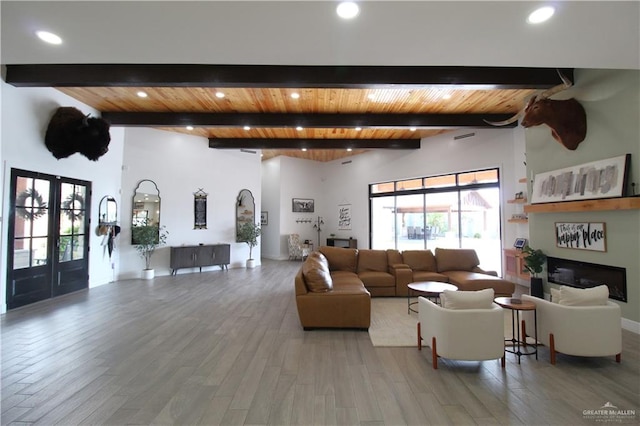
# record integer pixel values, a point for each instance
(566, 118)
(71, 131)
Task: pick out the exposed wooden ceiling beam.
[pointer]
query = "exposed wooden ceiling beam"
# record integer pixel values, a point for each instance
(238, 143)
(169, 119)
(279, 76)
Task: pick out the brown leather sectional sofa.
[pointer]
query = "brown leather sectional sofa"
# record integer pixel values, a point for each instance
(334, 285)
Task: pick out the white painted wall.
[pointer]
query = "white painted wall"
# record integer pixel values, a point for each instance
(25, 115)
(438, 155)
(270, 171)
(346, 181)
(294, 178)
(180, 165)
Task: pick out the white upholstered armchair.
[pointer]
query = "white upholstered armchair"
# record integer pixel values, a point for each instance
(577, 330)
(298, 250)
(295, 248)
(463, 334)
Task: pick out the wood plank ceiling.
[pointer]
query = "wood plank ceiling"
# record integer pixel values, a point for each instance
(338, 111)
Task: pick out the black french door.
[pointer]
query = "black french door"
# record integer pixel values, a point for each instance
(48, 251)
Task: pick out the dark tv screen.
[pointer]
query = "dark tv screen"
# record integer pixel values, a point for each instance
(586, 275)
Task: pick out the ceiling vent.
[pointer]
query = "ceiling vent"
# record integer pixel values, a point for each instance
(346, 162)
(466, 135)
(248, 151)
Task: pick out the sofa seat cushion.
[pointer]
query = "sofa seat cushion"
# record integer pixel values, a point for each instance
(456, 259)
(429, 276)
(341, 278)
(377, 279)
(420, 260)
(372, 260)
(340, 259)
(472, 281)
(316, 273)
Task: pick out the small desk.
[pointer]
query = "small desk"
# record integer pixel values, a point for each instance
(519, 340)
(430, 289)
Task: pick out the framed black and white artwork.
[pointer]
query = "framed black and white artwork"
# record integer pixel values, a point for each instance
(303, 205)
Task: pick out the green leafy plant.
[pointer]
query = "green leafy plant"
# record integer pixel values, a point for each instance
(147, 238)
(249, 233)
(534, 260)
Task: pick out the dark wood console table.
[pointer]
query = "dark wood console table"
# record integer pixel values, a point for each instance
(342, 242)
(199, 256)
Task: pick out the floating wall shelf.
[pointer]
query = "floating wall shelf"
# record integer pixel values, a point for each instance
(626, 203)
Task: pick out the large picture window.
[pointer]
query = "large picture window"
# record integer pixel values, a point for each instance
(457, 210)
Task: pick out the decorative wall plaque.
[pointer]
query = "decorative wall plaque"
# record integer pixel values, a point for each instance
(200, 209)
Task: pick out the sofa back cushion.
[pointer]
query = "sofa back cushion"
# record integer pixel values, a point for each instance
(394, 257)
(341, 259)
(456, 259)
(372, 260)
(316, 273)
(481, 299)
(419, 260)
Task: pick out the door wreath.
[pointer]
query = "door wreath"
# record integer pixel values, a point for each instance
(30, 211)
(73, 206)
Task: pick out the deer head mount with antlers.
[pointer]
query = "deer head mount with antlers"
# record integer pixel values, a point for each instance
(566, 118)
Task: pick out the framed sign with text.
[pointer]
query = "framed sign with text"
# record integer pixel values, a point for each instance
(581, 235)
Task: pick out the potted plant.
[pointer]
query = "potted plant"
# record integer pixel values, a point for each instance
(533, 262)
(249, 233)
(147, 239)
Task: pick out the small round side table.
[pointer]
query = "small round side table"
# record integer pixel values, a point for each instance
(519, 340)
(429, 289)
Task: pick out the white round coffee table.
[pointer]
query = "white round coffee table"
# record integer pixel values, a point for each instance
(430, 289)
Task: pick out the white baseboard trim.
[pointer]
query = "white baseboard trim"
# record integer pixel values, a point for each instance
(631, 326)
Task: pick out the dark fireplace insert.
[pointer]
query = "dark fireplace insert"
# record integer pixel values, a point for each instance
(586, 275)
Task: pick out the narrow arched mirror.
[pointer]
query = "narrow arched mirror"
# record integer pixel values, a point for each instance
(146, 207)
(108, 211)
(245, 210)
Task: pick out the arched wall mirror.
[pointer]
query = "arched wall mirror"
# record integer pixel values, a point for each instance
(146, 206)
(108, 211)
(245, 210)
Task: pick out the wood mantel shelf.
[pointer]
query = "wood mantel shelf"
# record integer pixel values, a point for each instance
(626, 203)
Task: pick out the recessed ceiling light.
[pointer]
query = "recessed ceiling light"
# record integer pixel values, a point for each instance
(299, 128)
(247, 128)
(295, 95)
(304, 149)
(189, 127)
(540, 15)
(142, 94)
(371, 96)
(219, 95)
(48, 37)
(413, 129)
(358, 129)
(446, 96)
(347, 10)
(349, 149)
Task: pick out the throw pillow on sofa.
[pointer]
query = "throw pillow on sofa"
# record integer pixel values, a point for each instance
(456, 259)
(571, 296)
(316, 273)
(481, 299)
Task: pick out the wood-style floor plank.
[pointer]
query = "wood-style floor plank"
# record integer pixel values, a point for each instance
(226, 348)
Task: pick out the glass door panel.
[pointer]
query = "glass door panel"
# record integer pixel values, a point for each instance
(382, 215)
(442, 220)
(48, 253)
(410, 222)
(480, 221)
